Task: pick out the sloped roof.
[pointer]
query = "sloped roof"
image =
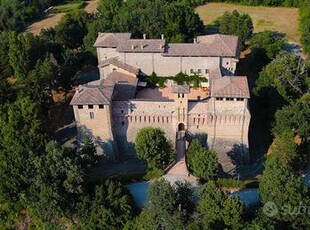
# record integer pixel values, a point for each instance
(206, 46)
(180, 89)
(125, 85)
(230, 87)
(142, 46)
(93, 95)
(215, 73)
(120, 64)
(111, 40)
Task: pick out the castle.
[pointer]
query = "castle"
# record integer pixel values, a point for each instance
(112, 109)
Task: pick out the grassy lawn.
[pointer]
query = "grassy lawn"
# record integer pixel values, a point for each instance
(280, 19)
(68, 6)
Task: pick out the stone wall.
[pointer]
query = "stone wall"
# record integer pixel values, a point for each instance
(96, 123)
(169, 66)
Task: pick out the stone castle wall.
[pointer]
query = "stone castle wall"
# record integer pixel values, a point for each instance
(96, 123)
(210, 120)
(169, 66)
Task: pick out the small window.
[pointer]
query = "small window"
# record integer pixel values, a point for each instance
(123, 123)
(229, 99)
(240, 99)
(122, 111)
(90, 106)
(80, 106)
(199, 71)
(101, 106)
(227, 63)
(198, 98)
(91, 115)
(191, 71)
(207, 70)
(219, 99)
(182, 95)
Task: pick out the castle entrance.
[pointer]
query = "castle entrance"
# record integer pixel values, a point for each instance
(181, 127)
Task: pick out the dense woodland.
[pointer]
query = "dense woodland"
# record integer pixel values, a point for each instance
(46, 185)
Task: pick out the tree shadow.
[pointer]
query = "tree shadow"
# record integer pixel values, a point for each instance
(239, 154)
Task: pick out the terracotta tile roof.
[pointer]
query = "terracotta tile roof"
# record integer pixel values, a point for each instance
(111, 40)
(180, 89)
(214, 74)
(125, 85)
(120, 64)
(230, 87)
(206, 46)
(93, 95)
(222, 43)
(142, 46)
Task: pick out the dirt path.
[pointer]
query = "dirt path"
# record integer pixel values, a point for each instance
(91, 6)
(49, 21)
(52, 20)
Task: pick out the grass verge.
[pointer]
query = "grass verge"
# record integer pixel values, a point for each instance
(68, 7)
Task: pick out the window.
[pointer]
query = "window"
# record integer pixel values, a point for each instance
(229, 99)
(80, 106)
(240, 99)
(123, 123)
(199, 71)
(207, 70)
(122, 111)
(91, 115)
(90, 106)
(182, 95)
(219, 99)
(191, 71)
(198, 98)
(101, 106)
(227, 63)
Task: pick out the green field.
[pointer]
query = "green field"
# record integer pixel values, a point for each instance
(68, 6)
(279, 19)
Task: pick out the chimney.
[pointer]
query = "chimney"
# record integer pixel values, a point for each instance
(195, 40)
(162, 37)
(144, 36)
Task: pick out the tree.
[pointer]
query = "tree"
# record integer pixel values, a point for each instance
(218, 210)
(266, 43)
(5, 68)
(22, 141)
(19, 55)
(162, 211)
(152, 146)
(203, 162)
(232, 211)
(285, 189)
(236, 24)
(38, 84)
(210, 205)
(72, 28)
(294, 118)
(304, 25)
(88, 154)
(24, 51)
(108, 207)
(57, 184)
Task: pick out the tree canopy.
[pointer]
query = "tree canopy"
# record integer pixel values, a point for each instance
(236, 24)
(152, 146)
(176, 20)
(202, 161)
